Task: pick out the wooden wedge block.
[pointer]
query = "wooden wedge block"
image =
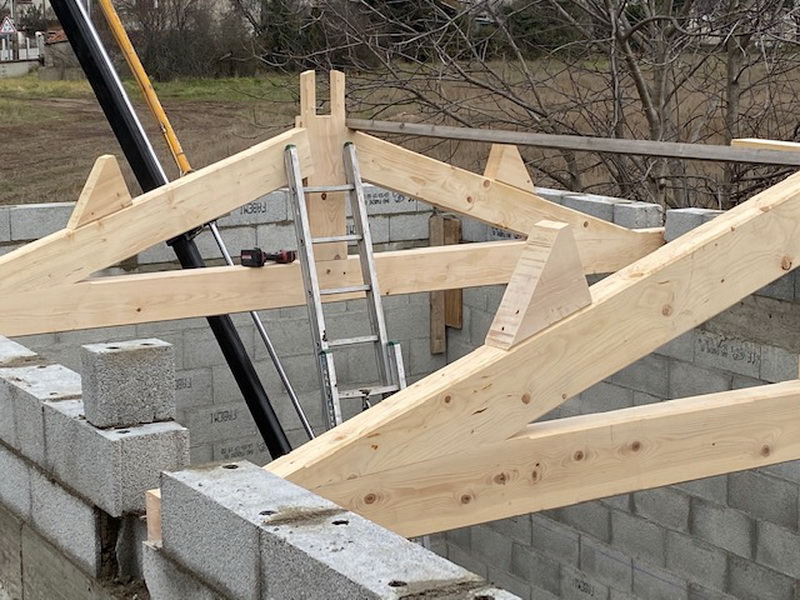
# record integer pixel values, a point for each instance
(505, 164)
(547, 285)
(105, 192)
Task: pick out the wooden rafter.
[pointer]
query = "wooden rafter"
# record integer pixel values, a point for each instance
(70, 255)
(490, 395)
(562, 462)
(604, 247)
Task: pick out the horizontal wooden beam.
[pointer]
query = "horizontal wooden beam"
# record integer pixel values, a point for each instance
(71, 255)
(491, 394)
(603, 246)
(705, 152)
(775, 145)
(563, 462)
(130, 299)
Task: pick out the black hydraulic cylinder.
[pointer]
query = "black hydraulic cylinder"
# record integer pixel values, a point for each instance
(140, 155)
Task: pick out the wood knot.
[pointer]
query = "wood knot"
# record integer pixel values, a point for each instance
(466, 498)
(501, 479)
(448, 399)
(636, 446)
(786, 263)
(536, 475)
(765, 450)
(666, 310)
(586, 224)
(470, 200)
(579, 456)
(487, 184)
(370, 498)
(526, 398)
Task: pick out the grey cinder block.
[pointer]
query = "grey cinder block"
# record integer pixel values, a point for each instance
(168, 581)
(491, 547)
(649, 375)
(270, 208)
(725, 528)
(5, 224)
(69, 523)
(13, 354)
(713, 489)
(666, 506)
(696, 561)
(577, 585)
(764, 497)
(552, 195)
(725, 353)
(638, 215)
(606, 564)
(533, 567)
(254, 535)
(234, 238)
(638, 538)
(746, 579)
(111, 467)
(596, 206)
(384, 202)
(15, 490)
(652, 582)
(778, 364)
(688, 380)
(590, 517)
(378, 229)
(404, 228)
(555, 539)
(128, 383)
(473, 230)
(683, 220)
(33, 221)
(23, 390)
(778, 548)
(276, 236)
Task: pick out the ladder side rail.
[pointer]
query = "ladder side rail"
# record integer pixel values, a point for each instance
(325, 368)
(368, 270)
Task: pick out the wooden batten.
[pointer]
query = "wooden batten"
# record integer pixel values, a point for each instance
(152, 504)
(105, 192)
(505, 164)
(548, 284)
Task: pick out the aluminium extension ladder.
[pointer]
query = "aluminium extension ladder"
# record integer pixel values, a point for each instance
(388, 355)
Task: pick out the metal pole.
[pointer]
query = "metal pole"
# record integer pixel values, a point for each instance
(142, 159)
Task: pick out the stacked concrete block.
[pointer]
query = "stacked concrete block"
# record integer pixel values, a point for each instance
(682, 220)
(248, 534)
(128, 383)
(33, 221)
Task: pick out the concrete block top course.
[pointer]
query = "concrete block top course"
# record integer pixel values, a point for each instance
(307, 547)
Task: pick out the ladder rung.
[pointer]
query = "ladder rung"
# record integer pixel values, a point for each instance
(336, 238)
(344, 290)
(364, 339)
(367, 392)
(320, 189)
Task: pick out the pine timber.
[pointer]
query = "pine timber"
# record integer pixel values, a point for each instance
(152, 504)
(453, 298)
(779, 145)
(327, 134)
(68, 255)
(490, 394)
(604, 247)
(548, 284)
(566, 461)
(105, 192)
(143, 298)
(438, 330)
(505, 164)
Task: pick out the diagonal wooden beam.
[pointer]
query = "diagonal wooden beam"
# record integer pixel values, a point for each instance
(491, 394)
(563, 462)
(604, 247)
(143, 298)
(70, 255)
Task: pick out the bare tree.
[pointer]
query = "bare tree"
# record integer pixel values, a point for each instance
(672, 70)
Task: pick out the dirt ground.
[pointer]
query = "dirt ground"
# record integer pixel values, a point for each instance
(49, 160)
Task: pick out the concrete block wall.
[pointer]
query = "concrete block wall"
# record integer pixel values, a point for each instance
(208, 400)
(236, 531)
(71, 493)
(733, 536)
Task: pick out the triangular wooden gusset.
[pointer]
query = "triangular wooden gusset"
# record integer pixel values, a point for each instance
(105, 192)
(548, 284)
(70, 255)
(505, 164)
(476, 409)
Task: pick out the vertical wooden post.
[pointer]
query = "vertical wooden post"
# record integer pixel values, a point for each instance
(446, 306)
